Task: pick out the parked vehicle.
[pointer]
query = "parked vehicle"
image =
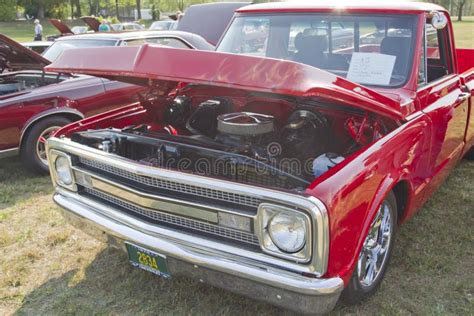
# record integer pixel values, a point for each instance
(64, 30)
(163, 25)
(92, 22)
(281, 172)
(34, 103)
(168, 38)
(128, 26)
(37, 46)
(216, 16)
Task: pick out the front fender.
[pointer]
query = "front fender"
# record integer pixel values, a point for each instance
(54, 110)
(353, 190)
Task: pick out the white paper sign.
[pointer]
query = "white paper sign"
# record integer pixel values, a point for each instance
(371, 68)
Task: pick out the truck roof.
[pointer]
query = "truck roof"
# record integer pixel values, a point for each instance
(341, 6)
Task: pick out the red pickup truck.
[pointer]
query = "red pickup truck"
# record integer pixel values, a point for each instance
(280, 166)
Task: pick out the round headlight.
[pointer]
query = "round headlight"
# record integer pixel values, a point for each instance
(62, 170)
(288, 232)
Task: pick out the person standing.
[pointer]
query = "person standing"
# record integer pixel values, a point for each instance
(38, 31)
(104, 27)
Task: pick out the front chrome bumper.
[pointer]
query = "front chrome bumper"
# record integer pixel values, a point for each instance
(208, 265)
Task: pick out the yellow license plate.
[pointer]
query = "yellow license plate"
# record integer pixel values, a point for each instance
(147, 260)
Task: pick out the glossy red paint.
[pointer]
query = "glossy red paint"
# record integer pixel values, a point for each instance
(92, 22)
(62, 28)
(225, 70)
(435, 121)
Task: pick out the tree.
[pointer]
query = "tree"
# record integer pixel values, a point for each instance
(75, 9)
(7, 10)
(139, 9)
(460, 7)
(42, 8)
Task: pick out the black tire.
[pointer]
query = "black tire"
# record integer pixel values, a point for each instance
(29, 153)
(470, 154)
(355, 292)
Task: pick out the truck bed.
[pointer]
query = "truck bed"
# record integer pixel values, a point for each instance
(465, 59)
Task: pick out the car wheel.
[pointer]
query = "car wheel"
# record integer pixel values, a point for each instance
(33, 150)
(375, 254)
(470, 154)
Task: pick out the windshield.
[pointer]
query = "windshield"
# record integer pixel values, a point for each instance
(372, 50)
(161, 25)
(59, 46)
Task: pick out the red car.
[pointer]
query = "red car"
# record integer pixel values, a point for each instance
(34, 103)
(277, 171)
(65, 30)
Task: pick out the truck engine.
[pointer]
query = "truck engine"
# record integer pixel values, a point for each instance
(216, 138)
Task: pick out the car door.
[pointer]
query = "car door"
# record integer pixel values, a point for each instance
(442, 98)
(468, 82)
(11, 123)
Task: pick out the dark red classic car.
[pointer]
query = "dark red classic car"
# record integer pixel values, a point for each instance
(34, 103)
(277, 169)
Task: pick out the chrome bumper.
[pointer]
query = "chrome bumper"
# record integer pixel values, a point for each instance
(253, 279)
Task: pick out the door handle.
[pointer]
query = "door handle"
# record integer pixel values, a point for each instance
(463, 97)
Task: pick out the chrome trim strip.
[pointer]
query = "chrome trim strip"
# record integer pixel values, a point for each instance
(54, 111)
(52, 156)
(200, 252)
(154, 202)
(195, 226)
(163, 184)
(268, 245)
(311, 205)
(9, 152)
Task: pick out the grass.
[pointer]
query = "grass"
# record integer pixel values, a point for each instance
(48, 267)
(464, 32)
(23, 31)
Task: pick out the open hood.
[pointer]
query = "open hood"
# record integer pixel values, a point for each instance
(148, 64)
(92, 22)
(62, 28)
(14, 56)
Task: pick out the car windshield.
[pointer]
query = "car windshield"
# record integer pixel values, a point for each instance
(59, 46)
(373, 50)
(161, 25)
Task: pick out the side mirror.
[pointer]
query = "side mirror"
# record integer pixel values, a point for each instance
(438, 20)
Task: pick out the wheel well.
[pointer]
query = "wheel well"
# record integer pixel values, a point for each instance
(69, 115)
(401, 191)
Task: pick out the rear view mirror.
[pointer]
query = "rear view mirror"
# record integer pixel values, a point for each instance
(438, 20)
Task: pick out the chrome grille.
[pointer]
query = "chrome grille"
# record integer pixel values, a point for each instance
(174, 186)
(158, 216)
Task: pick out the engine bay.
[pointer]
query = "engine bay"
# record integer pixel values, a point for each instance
(258, 140)
(12, 83)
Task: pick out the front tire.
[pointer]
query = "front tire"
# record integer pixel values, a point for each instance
(470, 154)
(375, 254)
(33, 150)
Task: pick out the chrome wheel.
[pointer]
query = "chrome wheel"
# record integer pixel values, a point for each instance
(41, 144)
(375, 250)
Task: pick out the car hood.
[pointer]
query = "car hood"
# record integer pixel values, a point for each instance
(14, 56)
(148, 64)
(62, 28)
(92, 22)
